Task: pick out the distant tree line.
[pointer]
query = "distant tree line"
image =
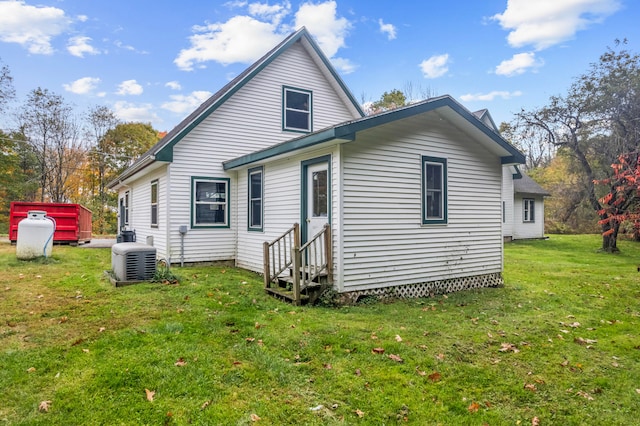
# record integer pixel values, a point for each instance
(54, 155)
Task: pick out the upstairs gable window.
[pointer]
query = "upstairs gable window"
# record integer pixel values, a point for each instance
(296, 110)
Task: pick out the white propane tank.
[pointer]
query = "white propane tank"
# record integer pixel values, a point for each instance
(35, 235)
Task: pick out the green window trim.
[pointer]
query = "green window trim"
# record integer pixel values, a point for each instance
(154, 203)
(255, 199)
(528, 210)
(434, 190)
(210, 202)
(297, 110)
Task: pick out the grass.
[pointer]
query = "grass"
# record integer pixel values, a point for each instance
(559, 342)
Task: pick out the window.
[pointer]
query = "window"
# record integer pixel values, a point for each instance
(154, 204)
(528, 210)
(255, 199)
(210, 206)
(434, 190)
(296, 110)
(124, 210)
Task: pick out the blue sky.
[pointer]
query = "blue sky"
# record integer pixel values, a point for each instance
(156, 61)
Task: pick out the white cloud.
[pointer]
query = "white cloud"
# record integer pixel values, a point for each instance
(181, 104)
(30, 26)
(82, 18)
(322, 22)
(273, 13)
(79, 45)
(240, 39)
(245, 38)
(129, 87)
(128, 112)
(173, 85)
(490, 96)
(544, 23)
(436, 66)
(345, 66)
(518, 64)
(388, 29)
(82, 86)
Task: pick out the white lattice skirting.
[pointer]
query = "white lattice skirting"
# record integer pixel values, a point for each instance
(427, 289)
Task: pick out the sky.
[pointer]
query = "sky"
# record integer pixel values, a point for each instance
(156, 61)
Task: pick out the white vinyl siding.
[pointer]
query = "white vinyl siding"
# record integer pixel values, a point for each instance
(507, 199)
(249, 120)
(140, 214)
(532, 229)
(384, 240)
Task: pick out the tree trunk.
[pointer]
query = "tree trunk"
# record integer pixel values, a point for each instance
(610, 240)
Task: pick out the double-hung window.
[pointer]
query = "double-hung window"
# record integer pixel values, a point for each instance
(210, 202)
(528, 210)
(255, 183)
(154, 204)
(296, 110)
(434, 190)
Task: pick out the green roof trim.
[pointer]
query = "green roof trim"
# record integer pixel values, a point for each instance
(163, 150)
(348, 130)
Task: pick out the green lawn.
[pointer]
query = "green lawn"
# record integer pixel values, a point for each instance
(558, 344)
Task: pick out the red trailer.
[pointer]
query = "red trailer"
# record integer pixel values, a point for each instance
(73, 221)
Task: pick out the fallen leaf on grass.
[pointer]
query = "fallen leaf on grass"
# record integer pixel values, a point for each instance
(44, 406)
(180, 362)
(440, 357)
(150, 394)
(254, 417)
(85, 350)
(473, 407)
(531, 387)
(358, 372)
(377, 351)
(535, 421)
(638, 390)
(420, 372)
(359, 413)
(205, 405)
(395, 358)
(581, 341)
(327, 366)
(435, 376)
(585, 395)
(508, 347)
(101, 329)
(398, 338)
(31, 369)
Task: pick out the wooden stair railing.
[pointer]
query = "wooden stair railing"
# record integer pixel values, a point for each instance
(307, 263)
(278, 255)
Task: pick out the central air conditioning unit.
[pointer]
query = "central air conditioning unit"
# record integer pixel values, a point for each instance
(133, 261)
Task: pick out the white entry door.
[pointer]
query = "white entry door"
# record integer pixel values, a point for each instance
(317, 194)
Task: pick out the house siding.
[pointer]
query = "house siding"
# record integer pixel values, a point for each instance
(524, 230)
(282, 202)
(507, 198)
(249, 120)
(383, 236)
(140, 209)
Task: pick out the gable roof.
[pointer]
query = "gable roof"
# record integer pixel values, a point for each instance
(523, 184)
(163, 149)
(346, 131)
(484, 116)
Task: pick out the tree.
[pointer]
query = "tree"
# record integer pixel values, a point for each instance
(7, 91)
(595, 122)
(388, 101)
(125, 143)
(53, 133)
(100, 120)
(622, 202)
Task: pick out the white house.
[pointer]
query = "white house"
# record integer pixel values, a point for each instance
(522, 206)
(407, 201)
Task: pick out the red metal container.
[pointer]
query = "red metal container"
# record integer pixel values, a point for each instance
(73, 221)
